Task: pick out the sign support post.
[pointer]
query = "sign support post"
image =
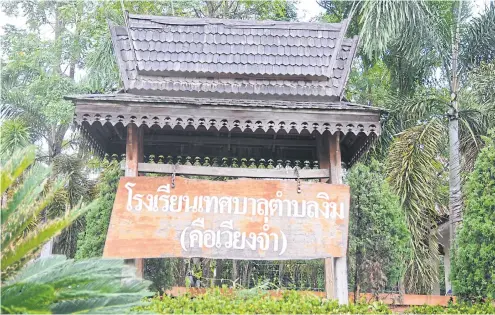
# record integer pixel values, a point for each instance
(328, 147)
(134, 155)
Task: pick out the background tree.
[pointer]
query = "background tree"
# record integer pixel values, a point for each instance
(427, 50)
(379, 242)
(473, 271)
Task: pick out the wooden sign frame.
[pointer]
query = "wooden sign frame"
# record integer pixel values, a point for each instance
(236, 219)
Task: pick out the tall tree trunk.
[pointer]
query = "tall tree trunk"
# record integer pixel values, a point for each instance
(455, 193)
(58, 28)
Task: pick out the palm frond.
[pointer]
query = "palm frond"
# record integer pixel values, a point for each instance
(413, 174)
(27, 193)
(473, 124)
(15, 166)
(24, 298)
(15, 134)
(478, 43)
(15, 226)
(103, 74)
(32, 192)
(39, 236)
(408, 24)
(481, 82)
(408, 111)
(86, 286)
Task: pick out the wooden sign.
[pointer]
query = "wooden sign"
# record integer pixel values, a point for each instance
(237, 219)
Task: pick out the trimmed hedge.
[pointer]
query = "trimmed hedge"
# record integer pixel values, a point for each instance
(462, 308)
(256, 302)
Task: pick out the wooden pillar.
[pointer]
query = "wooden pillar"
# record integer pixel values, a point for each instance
(328, 147)
(134, 154)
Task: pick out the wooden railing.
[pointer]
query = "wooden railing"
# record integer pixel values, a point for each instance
(223, 162)
(233, 172)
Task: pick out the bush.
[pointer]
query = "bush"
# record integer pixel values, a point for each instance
(473, 270)
(379, 241)
(291, 302)
(92, 241)
(461, 308)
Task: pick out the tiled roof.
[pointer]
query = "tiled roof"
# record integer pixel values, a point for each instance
(130, 98)
(159, 54)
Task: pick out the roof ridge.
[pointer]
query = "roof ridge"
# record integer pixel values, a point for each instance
(173, 20)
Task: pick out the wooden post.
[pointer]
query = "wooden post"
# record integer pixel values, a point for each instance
(133, 150)
(324, 161)
(134, 153)
(328, 147)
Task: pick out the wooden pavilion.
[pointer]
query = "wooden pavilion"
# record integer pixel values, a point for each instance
(203, 94)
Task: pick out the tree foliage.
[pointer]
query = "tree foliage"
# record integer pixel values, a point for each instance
(379, 241)
(473, 271)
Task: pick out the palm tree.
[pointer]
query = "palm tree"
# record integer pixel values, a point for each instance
(407, 33)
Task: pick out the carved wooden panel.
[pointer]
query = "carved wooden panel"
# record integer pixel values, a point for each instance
(237, 219)
(230, 118)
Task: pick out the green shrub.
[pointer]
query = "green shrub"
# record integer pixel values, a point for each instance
(379, 241)
(457, 308)
(473, 270)
(92, 241)
(291, 302)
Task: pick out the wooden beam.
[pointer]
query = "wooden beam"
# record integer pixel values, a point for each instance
(230, 172)
(230, 116)
(134, 155)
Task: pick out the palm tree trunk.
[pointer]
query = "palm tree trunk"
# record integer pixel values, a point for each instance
(455, 193)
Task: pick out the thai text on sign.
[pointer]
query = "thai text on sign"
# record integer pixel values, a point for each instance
(237, 219)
